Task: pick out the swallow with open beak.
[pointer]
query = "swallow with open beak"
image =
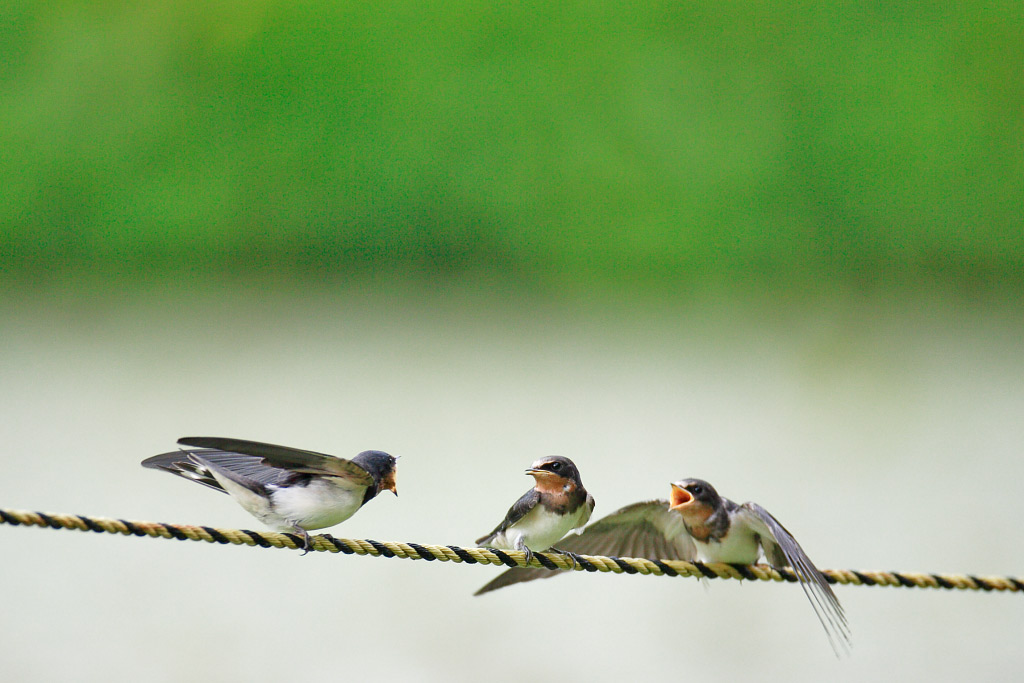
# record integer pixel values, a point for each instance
(699, 524)
(556, 505)
(287, 489)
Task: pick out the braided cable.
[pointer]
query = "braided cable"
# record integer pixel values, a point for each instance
(511, 558)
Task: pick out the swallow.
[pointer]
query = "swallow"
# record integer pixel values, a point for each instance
(288, 489)
(556, 505)
(696, 523)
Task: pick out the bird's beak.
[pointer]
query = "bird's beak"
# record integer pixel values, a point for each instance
(679, 498)
(543, 475)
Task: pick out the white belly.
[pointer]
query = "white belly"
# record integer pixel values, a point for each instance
(538, 530)
(323, 503)
(740, 546)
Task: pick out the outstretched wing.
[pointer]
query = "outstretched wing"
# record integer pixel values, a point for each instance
(281, 457)
(781, 550)
(526, 502)
(646, 530)
(181, 464)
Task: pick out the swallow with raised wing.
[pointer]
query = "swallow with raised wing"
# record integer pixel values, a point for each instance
(699, 524)
(287, 489)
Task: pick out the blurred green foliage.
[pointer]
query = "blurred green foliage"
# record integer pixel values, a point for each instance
(542, 143)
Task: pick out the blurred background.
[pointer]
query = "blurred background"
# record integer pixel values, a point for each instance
(780, 249)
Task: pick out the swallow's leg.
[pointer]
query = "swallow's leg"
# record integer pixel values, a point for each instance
(307, 542)
(571, 555)
(521, 547)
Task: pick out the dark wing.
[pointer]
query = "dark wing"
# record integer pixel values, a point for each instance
(781, 550)
(250, 471)
(527, 502)
(179, 463)
(283, 457)
(644, 530)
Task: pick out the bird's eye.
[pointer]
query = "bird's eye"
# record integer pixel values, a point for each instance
(555, 466)
(697, 489)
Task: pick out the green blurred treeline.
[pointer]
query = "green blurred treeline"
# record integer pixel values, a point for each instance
(794, 143)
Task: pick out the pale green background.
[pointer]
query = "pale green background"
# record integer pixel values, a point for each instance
(779, 249)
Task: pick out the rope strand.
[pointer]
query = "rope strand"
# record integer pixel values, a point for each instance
(452, 553)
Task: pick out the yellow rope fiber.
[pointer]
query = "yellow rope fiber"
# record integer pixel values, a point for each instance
(415, 551)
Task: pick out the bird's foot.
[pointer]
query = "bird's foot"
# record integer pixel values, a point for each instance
(571, 555)
(307, 541)
(521, 547)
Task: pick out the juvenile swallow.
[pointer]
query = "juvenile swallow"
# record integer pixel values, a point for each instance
(287, 489)
(699, 524)
(556, 505)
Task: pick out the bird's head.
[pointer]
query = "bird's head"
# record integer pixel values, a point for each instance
(555, 472)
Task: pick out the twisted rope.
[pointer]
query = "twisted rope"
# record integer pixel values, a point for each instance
(451, 553)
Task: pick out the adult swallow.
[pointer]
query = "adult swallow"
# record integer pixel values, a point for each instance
(699, 524)
(557, 504)
(287, 489)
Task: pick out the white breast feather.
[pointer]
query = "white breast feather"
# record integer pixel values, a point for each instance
(323, 503)
(740, 546)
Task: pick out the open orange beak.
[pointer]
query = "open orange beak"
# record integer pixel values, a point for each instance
(679, 498)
